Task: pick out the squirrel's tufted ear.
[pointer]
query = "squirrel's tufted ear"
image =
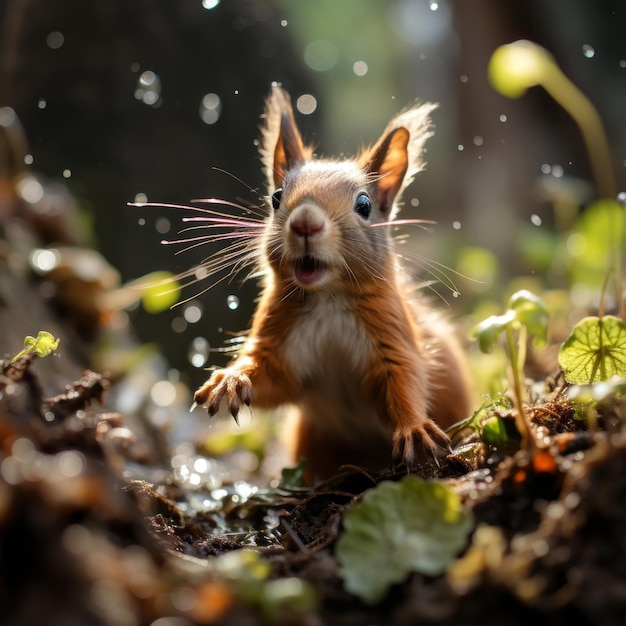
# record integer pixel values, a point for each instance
(396, 157)
(281, 144)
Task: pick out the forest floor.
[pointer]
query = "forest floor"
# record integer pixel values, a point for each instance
(86, 541)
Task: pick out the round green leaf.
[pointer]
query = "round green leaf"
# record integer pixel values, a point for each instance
(595, 351)
(515, 67)
(400, 527)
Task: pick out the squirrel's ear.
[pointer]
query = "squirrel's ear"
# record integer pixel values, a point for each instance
(396, 157)
(281, 144)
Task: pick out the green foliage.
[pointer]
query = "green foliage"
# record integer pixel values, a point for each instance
(595, 351)
(400, 527)
(494, 431)
(160, 291)
(42, 345)
(293, 476)
(595, 234)
(249, 574)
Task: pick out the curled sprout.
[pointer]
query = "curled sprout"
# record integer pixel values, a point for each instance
(42, 345)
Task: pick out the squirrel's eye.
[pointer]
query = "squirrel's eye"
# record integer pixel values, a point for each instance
(363, 206)
(276, 196)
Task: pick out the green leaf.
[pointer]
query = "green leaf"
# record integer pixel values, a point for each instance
(494, 431)
(400, 527)
(489, 330)
(595, 351)
(293, 476)
(532, 313)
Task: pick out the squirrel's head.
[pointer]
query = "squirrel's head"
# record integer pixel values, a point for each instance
(330, 217)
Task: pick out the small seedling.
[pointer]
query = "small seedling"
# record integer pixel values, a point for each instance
(42, 345)
(525, 314)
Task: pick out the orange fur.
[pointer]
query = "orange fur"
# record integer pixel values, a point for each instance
(335, 333)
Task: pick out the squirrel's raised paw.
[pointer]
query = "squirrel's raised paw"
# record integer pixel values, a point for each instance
(229, 384)
(421, 442)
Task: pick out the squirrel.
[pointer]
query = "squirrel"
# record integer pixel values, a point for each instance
(374, 373)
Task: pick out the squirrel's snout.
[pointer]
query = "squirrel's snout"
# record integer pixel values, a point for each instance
(307, 220)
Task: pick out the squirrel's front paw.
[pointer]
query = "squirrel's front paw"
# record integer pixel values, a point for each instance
(423, 440)
(229, 384)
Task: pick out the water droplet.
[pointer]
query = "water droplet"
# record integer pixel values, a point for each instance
(464, 78)
(503, 118)
(149, 88)
(67, 173)
(536, 220)
(545, 169)
(306, 104)
(163, 393)
(210, 4)
(198, 353)
(162, 225)
(44, 260)
(28, 159)
(210, 108)
(283, 23)
(141, 198)
(70, 463)
(42, 103)
(460, 147)
(179, 325)
(621, 197)
(456, 294)
(321, 55)
(622, 63)
(29, 189)
(557, 171)
(141, 221)
(589, 51)
(415, 202)
(478, 140)
(434, 5)
(193, 312)
(360, 68)
(55, 40)
(236, 92)
(456, 225)
(232, 302)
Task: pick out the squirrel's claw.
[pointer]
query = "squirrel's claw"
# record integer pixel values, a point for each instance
(227, 384)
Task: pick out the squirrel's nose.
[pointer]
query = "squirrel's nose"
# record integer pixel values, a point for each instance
(306, 221)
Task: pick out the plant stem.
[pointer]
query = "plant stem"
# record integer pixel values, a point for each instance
(518, 393)
(582, 111)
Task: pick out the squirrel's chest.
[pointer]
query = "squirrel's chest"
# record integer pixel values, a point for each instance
(328, 341)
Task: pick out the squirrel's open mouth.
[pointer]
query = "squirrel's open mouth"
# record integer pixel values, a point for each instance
(309, 270)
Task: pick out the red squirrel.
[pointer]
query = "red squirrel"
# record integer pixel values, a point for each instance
(372, 370)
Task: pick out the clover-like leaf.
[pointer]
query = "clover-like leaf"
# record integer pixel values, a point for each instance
(595, 351)
(400, 527)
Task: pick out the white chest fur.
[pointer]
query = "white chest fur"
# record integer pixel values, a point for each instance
(328, 342)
